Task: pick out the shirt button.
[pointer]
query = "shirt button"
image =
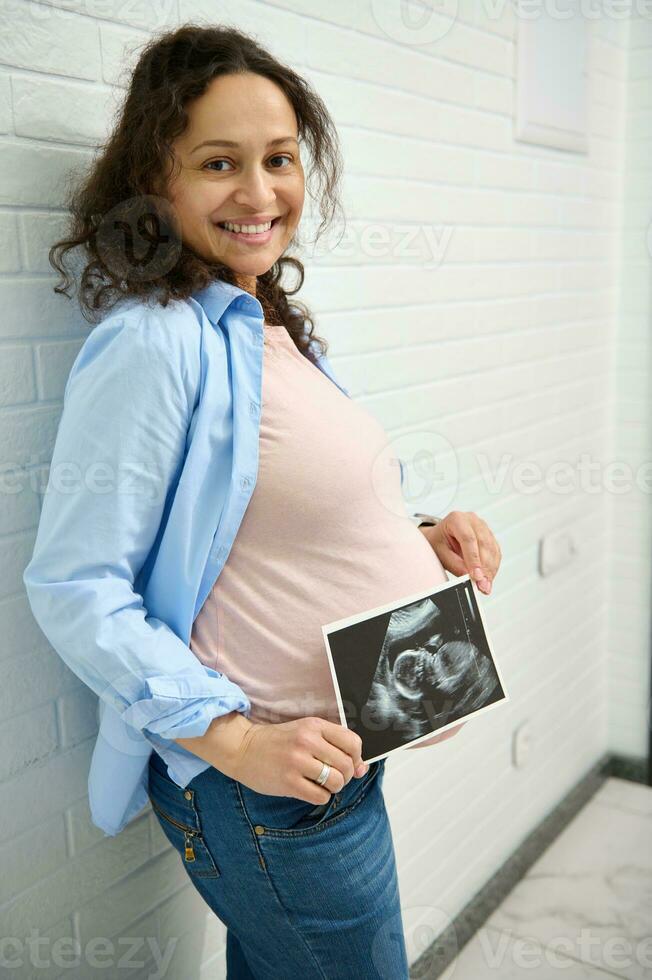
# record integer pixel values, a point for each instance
(259, 830)
(188, 794)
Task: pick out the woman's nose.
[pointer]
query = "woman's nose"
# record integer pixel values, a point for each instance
(256, 190)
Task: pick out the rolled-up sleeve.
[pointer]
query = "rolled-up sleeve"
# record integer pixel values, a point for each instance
(117, 458)
(183, 706)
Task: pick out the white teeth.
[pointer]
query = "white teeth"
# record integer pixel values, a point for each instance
(248, 229)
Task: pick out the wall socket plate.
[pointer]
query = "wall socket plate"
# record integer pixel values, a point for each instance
(521, 745)
(556, 549)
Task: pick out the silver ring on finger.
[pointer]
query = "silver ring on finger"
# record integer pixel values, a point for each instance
(324, 774)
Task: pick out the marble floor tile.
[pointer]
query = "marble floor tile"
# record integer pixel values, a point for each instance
(492, 955)
(589, 895)
(624, 795)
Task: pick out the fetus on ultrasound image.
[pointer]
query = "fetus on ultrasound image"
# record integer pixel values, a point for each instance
(434, 667)
(431, 669)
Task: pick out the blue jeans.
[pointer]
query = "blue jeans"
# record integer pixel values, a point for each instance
(306, 892)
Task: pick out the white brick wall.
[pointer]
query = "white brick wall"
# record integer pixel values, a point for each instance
(630, 547)
(523, 341)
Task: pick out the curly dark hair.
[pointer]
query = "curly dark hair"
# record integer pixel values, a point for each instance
(173, 69)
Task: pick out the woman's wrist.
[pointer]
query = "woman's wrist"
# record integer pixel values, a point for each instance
(222, 743)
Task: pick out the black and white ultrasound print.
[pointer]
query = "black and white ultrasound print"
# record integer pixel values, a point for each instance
(406, 672)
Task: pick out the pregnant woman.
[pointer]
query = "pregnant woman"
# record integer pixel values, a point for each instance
(215, 497)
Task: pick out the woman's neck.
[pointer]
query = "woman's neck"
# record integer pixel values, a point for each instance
(248, 283)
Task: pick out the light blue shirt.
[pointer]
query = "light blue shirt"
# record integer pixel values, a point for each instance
(155, 460)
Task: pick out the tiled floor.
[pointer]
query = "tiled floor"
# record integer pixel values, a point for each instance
(584, 909)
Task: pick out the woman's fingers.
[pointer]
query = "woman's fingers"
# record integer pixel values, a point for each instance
(464, 542)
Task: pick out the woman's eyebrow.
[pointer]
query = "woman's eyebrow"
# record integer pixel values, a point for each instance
(275, 142)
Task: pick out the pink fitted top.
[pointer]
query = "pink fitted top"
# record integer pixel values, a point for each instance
(325, 536)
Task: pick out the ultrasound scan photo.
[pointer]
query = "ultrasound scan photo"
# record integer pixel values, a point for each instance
(407, 672)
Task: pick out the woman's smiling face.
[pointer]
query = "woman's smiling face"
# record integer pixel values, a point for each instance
(240, 162)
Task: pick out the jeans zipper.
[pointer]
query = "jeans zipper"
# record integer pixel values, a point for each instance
(188, 834)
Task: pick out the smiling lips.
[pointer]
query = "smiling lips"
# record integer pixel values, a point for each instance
(254, 234)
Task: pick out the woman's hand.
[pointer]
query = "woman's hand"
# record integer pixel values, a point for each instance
(464, 543)
(285, 759)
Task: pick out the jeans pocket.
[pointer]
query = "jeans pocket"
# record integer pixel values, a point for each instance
(285, 816)
(179, 819)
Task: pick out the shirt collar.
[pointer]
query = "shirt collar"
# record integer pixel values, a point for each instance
(218, 295)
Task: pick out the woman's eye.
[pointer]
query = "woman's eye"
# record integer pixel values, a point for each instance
(211, 162)
(282, 156)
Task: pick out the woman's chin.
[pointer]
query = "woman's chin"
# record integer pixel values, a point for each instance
(245, 268)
